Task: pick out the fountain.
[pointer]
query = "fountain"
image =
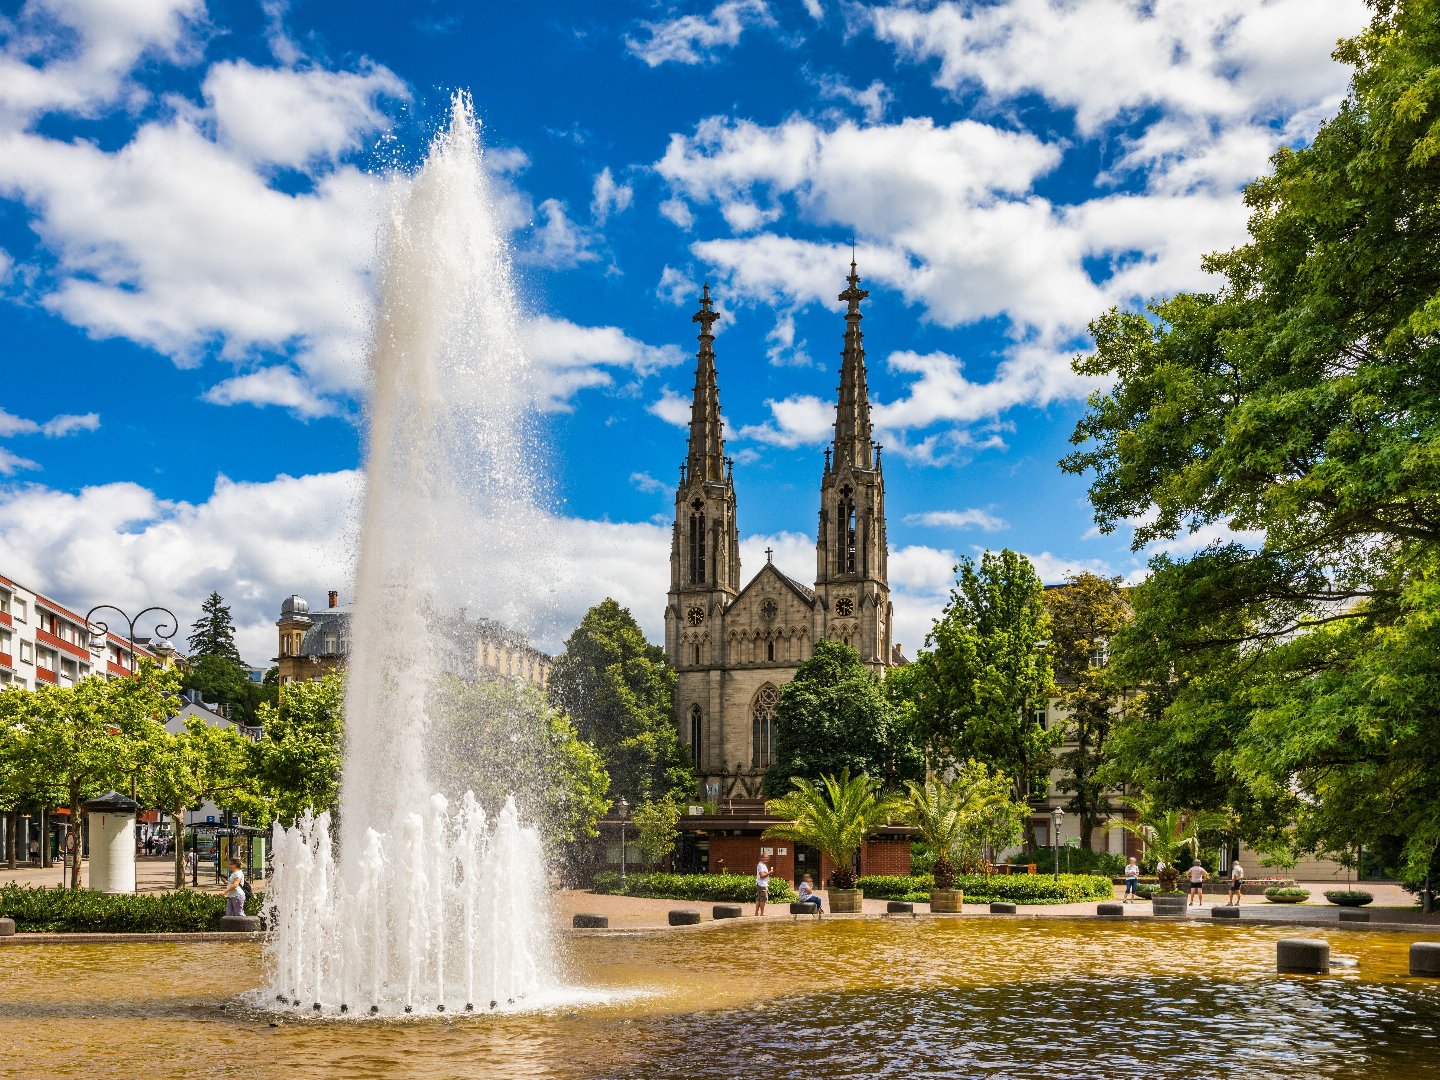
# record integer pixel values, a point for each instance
(426, 902)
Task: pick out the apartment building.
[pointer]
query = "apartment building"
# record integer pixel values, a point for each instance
(44, 643)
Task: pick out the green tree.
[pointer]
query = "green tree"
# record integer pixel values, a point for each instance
(619, 691)
(297, 762)
(975, 692)
(835, 715)
(960, 818)
(216, 670)
(95, 735)
(213, 634)
(835, 816)
(1298, 402)
(1085, 615)
(1169, 834)
(656, 827)
(501, 737)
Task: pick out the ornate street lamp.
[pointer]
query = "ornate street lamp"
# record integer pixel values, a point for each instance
(1057, 816)
(624, 808)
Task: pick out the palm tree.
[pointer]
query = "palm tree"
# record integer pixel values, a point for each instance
(1168, 834)
(951, 815)
(834, 816)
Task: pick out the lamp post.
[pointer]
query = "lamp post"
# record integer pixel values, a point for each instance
(1057, 816)
(104, 633)
(624, 809)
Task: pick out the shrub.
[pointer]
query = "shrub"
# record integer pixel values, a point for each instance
(1017, 888)
(699, 888)
(1146, 889)
(1079, 861)
(1349, 897)
(36, 909)
(1282, 895)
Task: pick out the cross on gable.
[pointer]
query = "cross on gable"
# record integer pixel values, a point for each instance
(769, 554)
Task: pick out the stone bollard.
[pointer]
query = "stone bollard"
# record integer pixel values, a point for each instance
(590, 922)
(1354, 916)
(1110, 911)
(684, 917)
(1225, 913)
(7, 927)
(899, 907)
(1001, 908)
(1425, 959)
(726, 911)
(239, 924)
(1302, 956)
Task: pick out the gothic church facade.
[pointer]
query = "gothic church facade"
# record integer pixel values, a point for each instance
(733, 647)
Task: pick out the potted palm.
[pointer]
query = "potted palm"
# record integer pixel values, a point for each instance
(1169, 835)
(834, 816)
(957, 819)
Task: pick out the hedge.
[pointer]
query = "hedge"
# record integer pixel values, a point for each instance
(36, 909)
(1016, 888)
(700, 888)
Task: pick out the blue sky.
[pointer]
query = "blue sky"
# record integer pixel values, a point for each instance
(190, 193)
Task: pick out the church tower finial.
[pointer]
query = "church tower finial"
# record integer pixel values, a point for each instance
(706, 457)
(853, 435)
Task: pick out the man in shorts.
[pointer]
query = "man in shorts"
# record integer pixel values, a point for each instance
(1237, 880)
(762, 886)
(1197, 875)
(1132, 879)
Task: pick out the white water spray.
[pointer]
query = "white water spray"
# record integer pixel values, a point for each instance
(427, 907)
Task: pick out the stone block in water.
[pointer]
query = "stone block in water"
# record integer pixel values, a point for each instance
(726, 911)
(239, 924)
(1354, 916)
(899, 907)
(798, 908)
(1225, 913)
(590, 922)
(1000, 908)
(1302, 956)
(683, 917)
(1110, 911)
(1425, 959)
(7, 927)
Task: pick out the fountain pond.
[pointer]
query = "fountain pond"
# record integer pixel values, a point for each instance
(844, 998)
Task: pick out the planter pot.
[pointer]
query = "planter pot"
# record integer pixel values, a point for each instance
(1349, 899)
(947, 901)
(1298, 899)
(846, 901)
(1172, 906)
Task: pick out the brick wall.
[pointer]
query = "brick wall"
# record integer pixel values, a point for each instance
(879, 856)
(741, 853)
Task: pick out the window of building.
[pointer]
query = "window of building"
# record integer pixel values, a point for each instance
(762, 726)
(697, 655)
(769, 650)
(5, 602)
(331, 643)
(20, 611)
(1100, 653)
(697, 543)
(1039, 716)
(25, 654)
(695, 736)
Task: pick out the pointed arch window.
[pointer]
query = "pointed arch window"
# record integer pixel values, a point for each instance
(762, 726)
(697, 543)
(845, 524)
(696, 733)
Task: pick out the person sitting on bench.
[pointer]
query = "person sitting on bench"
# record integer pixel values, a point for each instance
(807, 892)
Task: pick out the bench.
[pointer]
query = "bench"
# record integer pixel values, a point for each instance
(797, 909)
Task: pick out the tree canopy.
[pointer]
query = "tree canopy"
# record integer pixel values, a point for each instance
(298, 762)
(1294, 669)
(835, 715)
(213, 634)
(619, 692)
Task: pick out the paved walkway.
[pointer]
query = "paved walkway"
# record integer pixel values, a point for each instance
(154, 873)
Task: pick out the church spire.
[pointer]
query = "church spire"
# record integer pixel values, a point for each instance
(705, 460)
(853, 435)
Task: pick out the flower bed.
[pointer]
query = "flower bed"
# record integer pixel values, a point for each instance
(36, 909)
(979, 888)
(1291, 895)
(700, 888)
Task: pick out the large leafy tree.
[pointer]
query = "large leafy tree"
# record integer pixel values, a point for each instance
(1085, 615)
(835, 715)
(215, 667)
(835, 815)
(298, 762)
(501, 737)
(960, 817)
(619, 692)
(1299, 402)
(976, 690)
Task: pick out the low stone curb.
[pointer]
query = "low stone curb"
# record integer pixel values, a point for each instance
(126, 939)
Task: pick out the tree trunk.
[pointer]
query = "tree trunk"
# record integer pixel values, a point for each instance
(44, 839)
(177, 828)
(12, 827)
(79, 847)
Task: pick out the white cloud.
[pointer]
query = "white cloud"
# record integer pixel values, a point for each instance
(671, 407)
(559, 243)
(278, 385)
(799, 420)
(871, 101)
(569, 357)
(644, 482)
(677, 213)
(676, 287)
(277, 116)
(608, 197)
(11, 463)
(695, 39)
(54, 428)
(971, 518)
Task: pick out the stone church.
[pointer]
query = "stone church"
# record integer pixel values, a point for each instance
(733, 646)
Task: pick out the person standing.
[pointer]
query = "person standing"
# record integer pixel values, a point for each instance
(762, 885)
(1197, 875)
(1132, 879)
(1237, 882)
(235, 889)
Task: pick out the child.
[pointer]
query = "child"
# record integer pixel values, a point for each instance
(807, 892)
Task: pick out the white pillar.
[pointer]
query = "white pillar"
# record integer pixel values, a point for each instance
(112, 843)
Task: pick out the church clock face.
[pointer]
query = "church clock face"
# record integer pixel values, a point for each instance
(769, 610)
(844, 607)
(696, 615)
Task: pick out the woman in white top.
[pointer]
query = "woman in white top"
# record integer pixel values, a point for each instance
(1197, 875)
(235, 889)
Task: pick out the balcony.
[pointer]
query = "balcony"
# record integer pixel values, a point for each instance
(7, 661)
(45, 675)
(57, 642)
(5, 619)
